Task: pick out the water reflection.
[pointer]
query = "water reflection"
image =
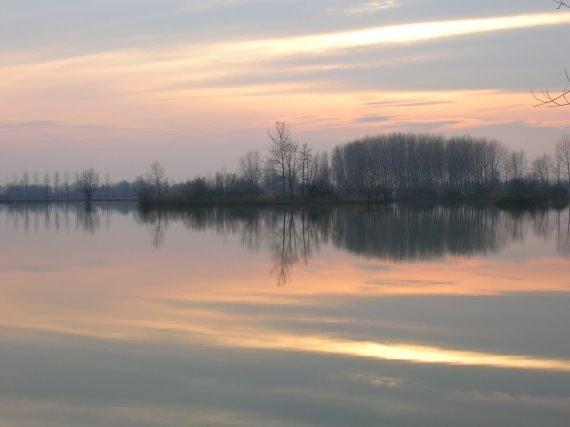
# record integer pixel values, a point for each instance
(397, 315)
(64, 217)
(393, 232)
(387, 232)
(397, 232)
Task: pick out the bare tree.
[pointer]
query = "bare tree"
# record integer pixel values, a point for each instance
(305, 167)
(338, 169)
(87, 182)
(47, 185)
(515, 166)
(66, 184)
(251, 167)
(563, 155)
(107, 185)
(542, 168)
(26, 184)
(283, 156)
(56, 182)
(156, 176)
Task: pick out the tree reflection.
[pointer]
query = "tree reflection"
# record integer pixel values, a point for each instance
(396, 232)
(563, 233)
(61, 217)
(87, 218)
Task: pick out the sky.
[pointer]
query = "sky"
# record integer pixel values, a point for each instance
(117, 84)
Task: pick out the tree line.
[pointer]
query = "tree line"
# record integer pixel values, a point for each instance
(57, 186)
(374, 168)
(397, 166)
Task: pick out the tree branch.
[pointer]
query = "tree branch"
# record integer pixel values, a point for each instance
(546, 99)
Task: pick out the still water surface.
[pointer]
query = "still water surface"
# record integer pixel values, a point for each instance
(394, 316)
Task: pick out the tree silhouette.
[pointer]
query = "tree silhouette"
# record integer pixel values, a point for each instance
(87, 183)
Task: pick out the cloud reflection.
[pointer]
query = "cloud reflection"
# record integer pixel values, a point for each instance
(395, 352)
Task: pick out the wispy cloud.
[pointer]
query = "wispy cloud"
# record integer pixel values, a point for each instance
(202, 6)
(406, 103)
(391, 34)
(371, 119)
(370, 6)
(352, 76)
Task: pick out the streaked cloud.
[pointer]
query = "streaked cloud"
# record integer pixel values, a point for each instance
(392, 34)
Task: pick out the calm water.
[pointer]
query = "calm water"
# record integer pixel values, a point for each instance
(391, 316)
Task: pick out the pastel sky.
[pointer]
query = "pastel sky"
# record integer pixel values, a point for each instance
(116, 84)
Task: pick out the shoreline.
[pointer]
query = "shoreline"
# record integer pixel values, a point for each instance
(488, 201)
(61, 201)
(500, 203)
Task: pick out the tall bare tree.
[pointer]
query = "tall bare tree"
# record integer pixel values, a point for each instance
(305, 167)
(87, 182)
(251, 167)
(157, 178)
(26, 183)
(563, 155)
(542, 168)
(47, 185)
(66, 184)
(56, 182)
(107, 185)
(515, 166)
(283, 156)
(338, 169)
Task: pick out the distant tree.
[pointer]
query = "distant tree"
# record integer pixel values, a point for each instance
(107, 186)
(26, 183)
(250, 166)
(542, 168)
(157, 178)
(563, 155)
(56, 182)
(66, 184)
(283, 156)
(515, 166)
(47, 185)
(338, 169)
(280, 139)
(141, 187)
(87, 182)
(321, 172)
(306, 171)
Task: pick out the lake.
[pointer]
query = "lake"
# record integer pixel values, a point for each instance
(395, 315)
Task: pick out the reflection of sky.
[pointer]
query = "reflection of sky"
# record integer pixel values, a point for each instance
(101, 327)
